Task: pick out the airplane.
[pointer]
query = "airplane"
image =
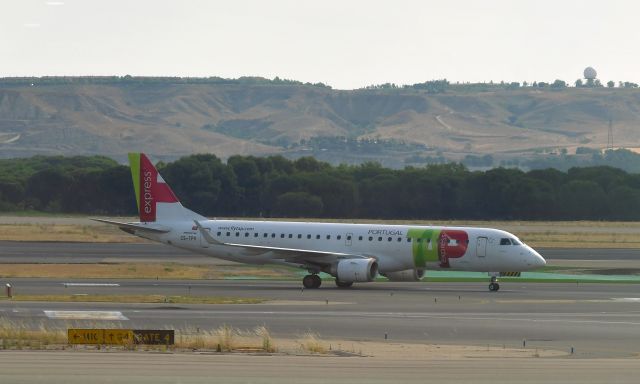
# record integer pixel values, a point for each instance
(351, 253)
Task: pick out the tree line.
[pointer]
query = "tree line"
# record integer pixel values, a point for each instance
(129, 80)
(247, 186)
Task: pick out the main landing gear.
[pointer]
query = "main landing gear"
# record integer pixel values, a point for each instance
(494, 286)
(311, 281)
(343, 284)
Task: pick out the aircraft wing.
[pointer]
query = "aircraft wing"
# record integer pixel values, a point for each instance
(290, 255)
(136, 226)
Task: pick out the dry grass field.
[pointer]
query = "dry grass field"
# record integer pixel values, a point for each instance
(141, 271)
(16, 335)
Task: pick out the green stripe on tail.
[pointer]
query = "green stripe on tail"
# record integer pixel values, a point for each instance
(134, 162)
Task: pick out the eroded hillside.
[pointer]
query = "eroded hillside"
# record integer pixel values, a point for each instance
(173, 119)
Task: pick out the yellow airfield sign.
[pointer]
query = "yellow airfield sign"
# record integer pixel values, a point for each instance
(100, 336)
(120, 336)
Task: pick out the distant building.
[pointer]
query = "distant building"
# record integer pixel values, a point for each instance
(590, 73)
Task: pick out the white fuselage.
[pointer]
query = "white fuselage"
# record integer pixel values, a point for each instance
(395, 247)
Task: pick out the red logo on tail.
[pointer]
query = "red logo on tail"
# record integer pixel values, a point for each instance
(152, 191)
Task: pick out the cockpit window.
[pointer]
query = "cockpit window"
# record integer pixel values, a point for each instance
(505, 241)
(515, 241)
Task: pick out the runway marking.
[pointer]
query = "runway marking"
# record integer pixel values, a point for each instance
(86, 315)
(91, 284)
(626, 299)
(304, 302)
(458, 316)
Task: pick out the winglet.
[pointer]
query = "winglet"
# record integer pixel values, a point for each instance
(205, 234)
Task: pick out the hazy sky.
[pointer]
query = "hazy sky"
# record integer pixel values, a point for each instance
(346, 44)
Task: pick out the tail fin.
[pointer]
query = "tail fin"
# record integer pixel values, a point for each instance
(156, 201)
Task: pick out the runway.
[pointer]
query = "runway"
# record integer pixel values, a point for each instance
(598, 320)
(78, 367)
(601, 322)
(62, 252)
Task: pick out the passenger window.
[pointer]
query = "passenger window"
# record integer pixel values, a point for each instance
(219, 233)
(360, 238)
(339, 237)
(228, 233)
(505, 241)
(265, 235)
(273, 235)
(246, 234)
(328, 237)
(370, 238)
(399, 239)
(290, 236)
(237, 234)
(299, 236)
(348, 237)
(308, 236)
(255, 234)
(282, 235)
(380, 238)
(408, 239)
(389, 239)
(318, 237)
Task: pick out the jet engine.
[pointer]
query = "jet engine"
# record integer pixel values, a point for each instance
(406, 275)
(355, 270)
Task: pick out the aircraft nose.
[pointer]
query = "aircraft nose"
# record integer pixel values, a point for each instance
(539, 261)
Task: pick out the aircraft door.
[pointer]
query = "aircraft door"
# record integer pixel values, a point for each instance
(348, 239)
(481, 247)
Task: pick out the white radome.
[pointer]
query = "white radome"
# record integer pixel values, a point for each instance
(590, 73)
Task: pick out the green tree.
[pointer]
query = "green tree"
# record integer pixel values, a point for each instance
(298, 204)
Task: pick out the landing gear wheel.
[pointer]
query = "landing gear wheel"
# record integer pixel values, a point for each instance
(493, 287)
(344, 284)
(311, 281)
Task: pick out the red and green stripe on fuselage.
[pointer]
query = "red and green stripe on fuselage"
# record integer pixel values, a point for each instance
(432, 245)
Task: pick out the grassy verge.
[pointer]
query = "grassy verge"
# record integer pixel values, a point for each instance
(17, 335)
(527, 280)
(143, 271)
(138, 299)
(66, 233)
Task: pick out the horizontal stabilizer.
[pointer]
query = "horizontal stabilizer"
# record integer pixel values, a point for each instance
(137, 226)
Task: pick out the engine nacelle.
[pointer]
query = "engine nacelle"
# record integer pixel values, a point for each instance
(406, 275)
(355, 270)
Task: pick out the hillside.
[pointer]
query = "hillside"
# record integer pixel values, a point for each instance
(170, 118)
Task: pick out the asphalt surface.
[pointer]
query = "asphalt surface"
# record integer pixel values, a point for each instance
(90, 253)
(78, 367)
(601, 322)
(60, 252)
(598, 320)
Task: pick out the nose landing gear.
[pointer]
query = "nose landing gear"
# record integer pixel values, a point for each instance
(494, 286)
